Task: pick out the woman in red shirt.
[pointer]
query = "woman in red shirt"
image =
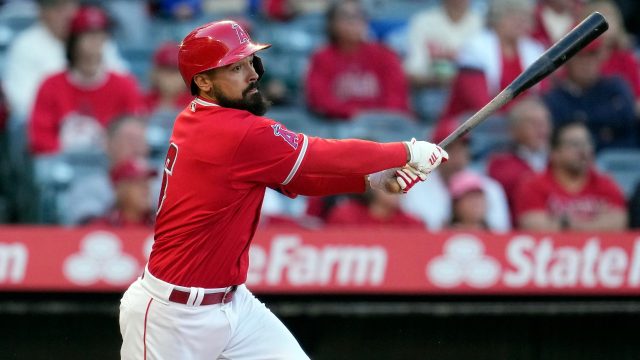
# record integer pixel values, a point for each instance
(73, 107)
(350, 74)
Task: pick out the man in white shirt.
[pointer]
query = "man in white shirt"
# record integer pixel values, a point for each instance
(39, 51)
(435, 36)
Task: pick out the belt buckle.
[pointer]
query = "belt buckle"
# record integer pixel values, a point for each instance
(226, 291)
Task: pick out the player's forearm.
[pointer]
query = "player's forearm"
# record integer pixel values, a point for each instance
(351, 157)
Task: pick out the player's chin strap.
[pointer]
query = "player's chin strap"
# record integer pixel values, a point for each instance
(257, 66)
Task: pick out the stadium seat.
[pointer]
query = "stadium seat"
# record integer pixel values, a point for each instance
(383, 126)
(54, 173)
(18, 15)
(139, 59)
(622, 165)
(428, 103)
(490, 136)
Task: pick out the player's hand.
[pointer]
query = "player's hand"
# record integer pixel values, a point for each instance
(396, 180)
(425, 156)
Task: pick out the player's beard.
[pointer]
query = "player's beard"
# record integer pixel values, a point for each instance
(254, 103)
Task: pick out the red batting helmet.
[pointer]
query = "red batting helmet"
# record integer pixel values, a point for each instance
(214, 45)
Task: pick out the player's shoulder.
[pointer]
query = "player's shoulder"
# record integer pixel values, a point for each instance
(214, 116)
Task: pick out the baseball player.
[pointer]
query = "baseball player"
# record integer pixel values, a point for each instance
(190, 302)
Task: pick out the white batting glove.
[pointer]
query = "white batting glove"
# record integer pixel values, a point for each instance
(425, 156)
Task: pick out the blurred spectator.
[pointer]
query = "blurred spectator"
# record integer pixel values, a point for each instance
(634, 208)
(280, 10)
(93, 195)
(530, 126)
(469, 203)
(73, 107)
(374, 207)
(284, 10)
(621, 59)
(571, 194)
(604, 103)
(39, 51)
(131, 181)
(351, 74)
(630, 10)
(492, 59)
(434, 39)
(553, 19)
(167, 92)
(431, 200)
(132, 21)
(176, 9)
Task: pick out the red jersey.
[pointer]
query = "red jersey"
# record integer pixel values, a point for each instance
(509, 170)
(624, 63)
(219, 163)
(59, 97)
(340, 84)
(543, 193)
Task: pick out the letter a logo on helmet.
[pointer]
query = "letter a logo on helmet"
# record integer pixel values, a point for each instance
(214, 45)
(242, 36)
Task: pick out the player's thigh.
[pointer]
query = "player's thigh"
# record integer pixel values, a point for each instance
(257, 333)
(131, 317)
(154, 329)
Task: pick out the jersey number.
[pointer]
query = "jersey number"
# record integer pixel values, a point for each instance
(169, 163)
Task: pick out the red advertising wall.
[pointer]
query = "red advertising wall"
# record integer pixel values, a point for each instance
(356, 260)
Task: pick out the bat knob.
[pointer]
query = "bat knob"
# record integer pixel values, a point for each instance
(393, 187)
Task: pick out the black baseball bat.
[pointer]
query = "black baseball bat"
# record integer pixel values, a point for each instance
(574, 41)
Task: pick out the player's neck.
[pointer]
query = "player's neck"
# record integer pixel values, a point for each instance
(207, 97)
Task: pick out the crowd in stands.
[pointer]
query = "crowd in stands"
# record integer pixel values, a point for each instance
(90, 90)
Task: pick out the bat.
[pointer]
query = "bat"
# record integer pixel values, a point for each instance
(558, 54)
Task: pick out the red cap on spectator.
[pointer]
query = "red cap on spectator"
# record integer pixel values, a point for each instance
(167, 54)
(464, 182)
(89, 18)
(130, 170)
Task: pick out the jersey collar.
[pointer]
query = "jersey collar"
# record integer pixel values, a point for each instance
(203, 102)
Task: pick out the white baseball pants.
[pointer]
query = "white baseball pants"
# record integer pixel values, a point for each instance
(152, 327)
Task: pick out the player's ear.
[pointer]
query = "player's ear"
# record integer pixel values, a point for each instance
(203, 81)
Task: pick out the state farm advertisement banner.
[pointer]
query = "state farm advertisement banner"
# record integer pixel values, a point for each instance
(342, 260)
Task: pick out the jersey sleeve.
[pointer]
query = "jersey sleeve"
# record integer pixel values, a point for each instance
(351, 157)
(322, 185)
(269, 153)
